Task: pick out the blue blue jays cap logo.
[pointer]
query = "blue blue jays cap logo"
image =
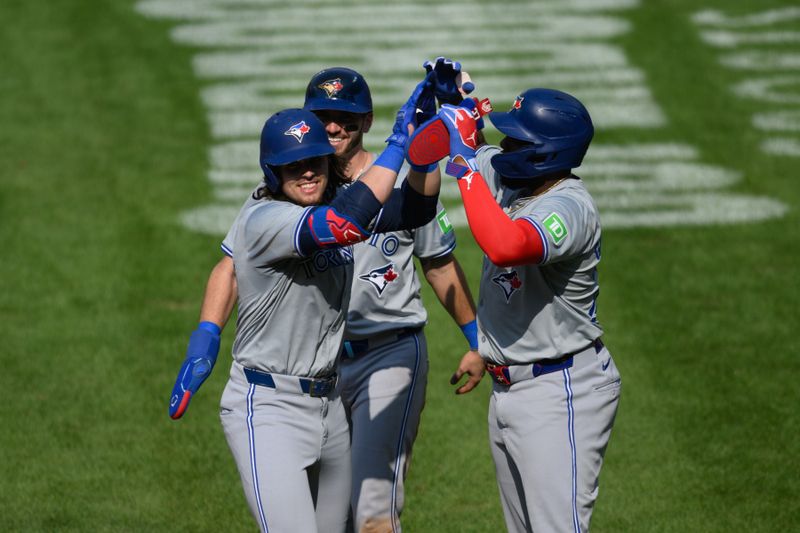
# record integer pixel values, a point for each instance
(298, 131)
(331, 87)
(509, 282)
(517, 102)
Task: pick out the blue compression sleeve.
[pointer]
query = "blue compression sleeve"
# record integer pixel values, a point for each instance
(406, 209)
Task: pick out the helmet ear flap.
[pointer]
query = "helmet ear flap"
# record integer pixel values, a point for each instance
(270, 178)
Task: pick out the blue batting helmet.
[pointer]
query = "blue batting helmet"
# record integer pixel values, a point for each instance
(557, 126)
(288, 136)
(338, 89)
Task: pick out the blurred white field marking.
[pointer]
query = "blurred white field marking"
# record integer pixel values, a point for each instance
(553, 58)
(235, 177)
(770, 17)
(788, 121)
(730, 39)
(784, 89)
(760, 60)
(777, 78)
(225, 9)
(423, 35)
(659, 210)
(788, 146)
(258, 55)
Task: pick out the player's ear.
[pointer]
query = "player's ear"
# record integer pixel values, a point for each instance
(367, 122)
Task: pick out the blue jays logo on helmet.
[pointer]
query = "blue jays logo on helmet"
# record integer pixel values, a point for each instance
(509, 282)
(556, 128)
(288, 136)
(380, 278)
(331, 87)
(338, 89)
(298, 131)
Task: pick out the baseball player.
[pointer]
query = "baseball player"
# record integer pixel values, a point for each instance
(384, 364)
(556, 387)
(281, 413)
(384, 361)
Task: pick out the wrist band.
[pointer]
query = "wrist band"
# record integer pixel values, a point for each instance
(392, 158)
(210, 327)
(470, 331)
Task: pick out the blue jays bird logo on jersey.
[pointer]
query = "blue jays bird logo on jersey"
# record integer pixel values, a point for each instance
(298, 131)
(509, 282)
(381, 277)
(331, 87)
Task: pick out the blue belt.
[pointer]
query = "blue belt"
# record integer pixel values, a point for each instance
(355, 348)
(502, 373)
(312, 386)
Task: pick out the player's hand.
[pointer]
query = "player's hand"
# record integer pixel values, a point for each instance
(200, 358)
(451, 83)
(452, 128)
(463, 132)
(406, 119)
(472, 365)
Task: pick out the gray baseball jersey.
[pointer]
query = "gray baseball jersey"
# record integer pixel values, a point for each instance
(386, 290)
(551, 413)
(272, 279)
(554, 302)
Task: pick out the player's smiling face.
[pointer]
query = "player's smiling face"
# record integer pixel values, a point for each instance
(345, 130)
(304, 181)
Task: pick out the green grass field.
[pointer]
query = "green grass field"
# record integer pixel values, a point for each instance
(104, 141)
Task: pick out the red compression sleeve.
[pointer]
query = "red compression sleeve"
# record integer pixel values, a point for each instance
(506, 242)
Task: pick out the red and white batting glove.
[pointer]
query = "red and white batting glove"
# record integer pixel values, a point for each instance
(430, 142)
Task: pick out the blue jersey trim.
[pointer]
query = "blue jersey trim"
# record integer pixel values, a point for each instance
(448, 251)
(401, 437)
(225, 250)
(253, 470)
(297, 229)
(571, 435)
(545, 244)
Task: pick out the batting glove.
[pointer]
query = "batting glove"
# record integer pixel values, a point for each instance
(463, 133)
(431, 141)
(392, 157)
(200, 358)
(451, 84)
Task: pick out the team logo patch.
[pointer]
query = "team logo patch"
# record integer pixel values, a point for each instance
(444, 222)
(380, 278)
(331, 87)
(509, 282)
(517, 102)
(556, 228)
(298, 131)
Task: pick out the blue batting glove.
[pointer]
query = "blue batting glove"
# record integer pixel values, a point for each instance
(451, 83)
(200, 358)
(392, 157)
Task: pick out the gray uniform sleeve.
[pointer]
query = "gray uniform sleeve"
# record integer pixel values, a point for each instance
(566, 224)
(436, 238)
(270, 231)
(230, 237)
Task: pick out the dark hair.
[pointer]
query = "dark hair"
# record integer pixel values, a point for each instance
(336, 179)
